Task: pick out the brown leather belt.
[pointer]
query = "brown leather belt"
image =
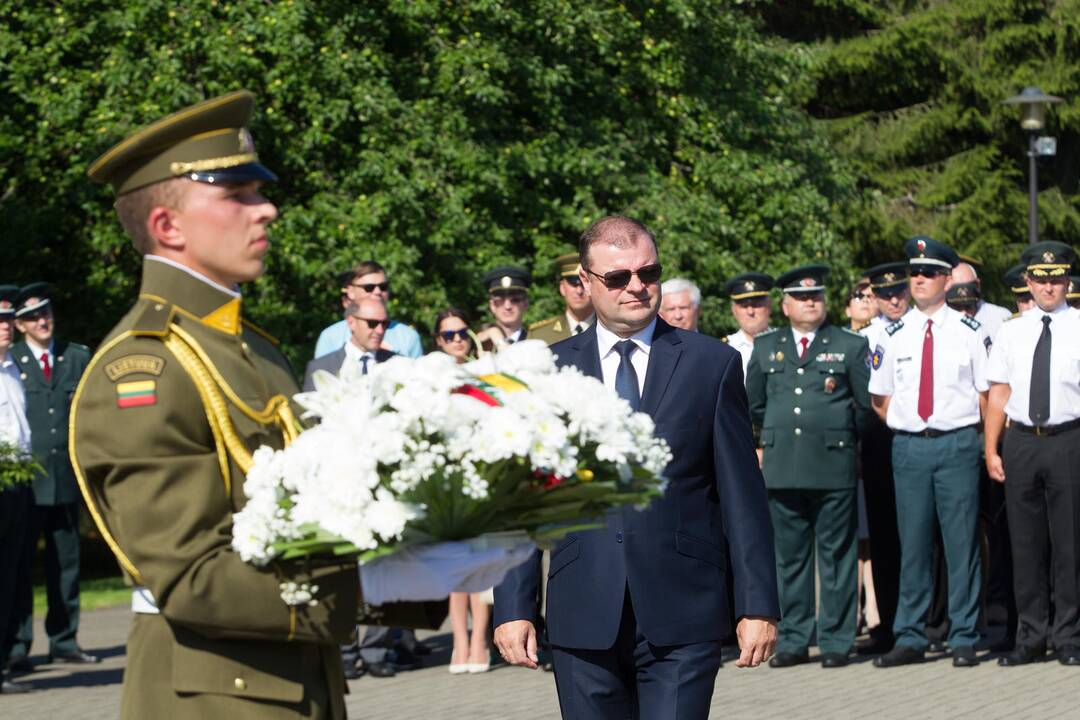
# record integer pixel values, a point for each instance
(931, 433)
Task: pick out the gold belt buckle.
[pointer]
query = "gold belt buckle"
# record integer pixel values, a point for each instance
(1038, 431)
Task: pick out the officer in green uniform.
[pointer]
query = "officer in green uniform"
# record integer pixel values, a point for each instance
(807, 387)
(50, 369)
(164, 424)
(578, 315)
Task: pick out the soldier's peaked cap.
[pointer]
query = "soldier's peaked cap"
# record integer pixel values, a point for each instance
(1048, 259)
(748, 285)
(803, 279)
(207, 142)
(31, 298)
(9, 295)
(1015, 278)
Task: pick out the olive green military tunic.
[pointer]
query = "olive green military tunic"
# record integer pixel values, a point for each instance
(163, 425)
(551, 330)
(808, 410)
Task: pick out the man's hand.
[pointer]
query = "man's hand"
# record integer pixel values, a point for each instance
(995, 467)
(761, 457)
(757, 640)
(516, 641)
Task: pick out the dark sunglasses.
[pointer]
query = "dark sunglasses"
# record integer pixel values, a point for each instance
(36, 316)
(574, 280)
(616, 279)
(860, 296)
(926, 272)
(452, 335)
(372, 324)
(370, 287)
(515, 297)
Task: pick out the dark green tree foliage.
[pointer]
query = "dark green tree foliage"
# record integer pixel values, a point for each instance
(437, 137)
(911, 94)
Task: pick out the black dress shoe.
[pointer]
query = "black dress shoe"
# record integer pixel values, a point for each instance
(874, 647)
(380, 670)
(964, 657)
(10, 687)
(936, 646)
(899, 655)
(402, 659)
(1022, 655)
(352, 672)
(74, 657)
(420, 648)
(833, 660)
(20, 664)
(786, 659)
(1069, 656)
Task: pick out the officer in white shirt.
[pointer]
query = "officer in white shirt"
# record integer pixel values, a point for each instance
(14, 502)
(1016, 280)
(1034, 373)
(929, 385)
(987, 313)
(751, 306)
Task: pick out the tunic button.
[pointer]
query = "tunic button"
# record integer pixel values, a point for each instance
(618, 537)
(53, 451)
(244, 345)
(240, 684)
(798, 411)
(801, 371)
(798, 391)
(841, 443)
(798, 431)
(53, 431)
(51, 411)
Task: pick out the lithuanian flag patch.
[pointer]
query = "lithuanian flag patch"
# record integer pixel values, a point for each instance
(136, 394)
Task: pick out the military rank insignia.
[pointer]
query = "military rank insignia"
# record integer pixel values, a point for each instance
(876, 357)
(830, 385)
(136, 394)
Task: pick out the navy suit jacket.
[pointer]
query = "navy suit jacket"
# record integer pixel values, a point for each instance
(332, 364)
(672, 554)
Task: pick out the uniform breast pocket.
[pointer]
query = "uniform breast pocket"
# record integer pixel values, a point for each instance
(957, 367)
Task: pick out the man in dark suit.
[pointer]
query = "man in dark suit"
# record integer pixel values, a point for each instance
(367, 320)
(637, 610)
(50, 370)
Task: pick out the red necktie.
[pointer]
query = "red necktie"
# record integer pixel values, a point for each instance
(46, 369)
(804, 342)
(926, 376)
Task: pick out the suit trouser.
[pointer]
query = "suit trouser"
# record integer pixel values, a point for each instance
(881, 523)
(1042, 493)
(14, 504)
(379, 640)
(636, 679)
(828, 521)
(937, 476)
(60, 526)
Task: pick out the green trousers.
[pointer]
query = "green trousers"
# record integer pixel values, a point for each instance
(822, 523)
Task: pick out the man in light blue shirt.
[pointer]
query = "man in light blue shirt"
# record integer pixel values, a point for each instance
(368, 280)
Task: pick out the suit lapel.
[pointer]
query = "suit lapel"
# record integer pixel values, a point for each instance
(663, 357)
(587, 354)
(60, 362)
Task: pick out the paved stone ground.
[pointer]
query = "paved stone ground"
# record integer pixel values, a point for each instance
(932, 690)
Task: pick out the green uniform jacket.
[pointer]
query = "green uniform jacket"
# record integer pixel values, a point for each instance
(809, 409)
(47, 405)
(158, 451)
(551, 331)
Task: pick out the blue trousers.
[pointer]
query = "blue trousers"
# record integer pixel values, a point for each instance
(937, 476)
(635, 679)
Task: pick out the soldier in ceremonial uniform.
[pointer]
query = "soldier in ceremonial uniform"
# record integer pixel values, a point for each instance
(508, 300)
(50, 369)
(929, 385)
(578, 315)
(1016, 279)
(807, 387)
(15, 501)
(989, 315)
(1034, 374)
(164, 423)
(751, 306)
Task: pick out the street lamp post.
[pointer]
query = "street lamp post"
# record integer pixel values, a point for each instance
(1033, 102)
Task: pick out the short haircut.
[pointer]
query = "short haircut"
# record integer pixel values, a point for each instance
(134, 208)
(678, 285)
(359, 270)
(353, 308)
(618, 230)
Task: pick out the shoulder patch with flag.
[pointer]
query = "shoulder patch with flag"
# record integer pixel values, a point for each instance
(136, 394)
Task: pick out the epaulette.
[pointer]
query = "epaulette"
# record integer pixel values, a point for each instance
(544, 323)
(971, 322)
(725, 340)
(152, 318)
(891, 329)
(79, 346)
(861, 327)
(849, 331)
(259, 331)
(1014, 315)
(763, 333)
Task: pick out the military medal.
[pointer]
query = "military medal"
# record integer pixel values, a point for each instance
(780, 355)
(830, 385)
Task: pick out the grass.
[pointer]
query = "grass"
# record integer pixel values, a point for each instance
(93, 594)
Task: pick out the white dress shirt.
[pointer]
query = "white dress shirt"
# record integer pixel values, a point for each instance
(609, 358)
(516, 335)
(572, 323)
(354, 354)
(1013, 354)
(745, 345)
(992, 317)
(38, 351)
(959, 371)
(14, 428)
(798, 340)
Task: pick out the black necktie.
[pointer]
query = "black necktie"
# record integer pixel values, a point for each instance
(626, 380)
(363, 364)
(1039, 399)
(579, 328)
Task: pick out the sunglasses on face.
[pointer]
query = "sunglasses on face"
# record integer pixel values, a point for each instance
(926, 272)
(861, 296)
(452, 335)
(372, 324)
(36, 316)
(616, 279)
(370, 287)
(515, 298)
(574, 280)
